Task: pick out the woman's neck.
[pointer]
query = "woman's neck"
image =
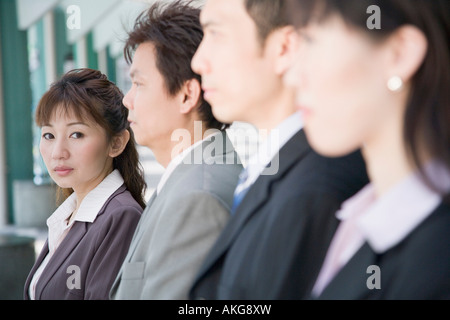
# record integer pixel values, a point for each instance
(387, 160)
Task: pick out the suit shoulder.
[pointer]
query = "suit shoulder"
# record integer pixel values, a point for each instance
(122, 201)
(434, 229)
(212, 176)
(347, 174)
(419, 266)
(209, 180)
(429, 238)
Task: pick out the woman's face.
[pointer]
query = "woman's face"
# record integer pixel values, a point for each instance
(340, 77)
(76, 152)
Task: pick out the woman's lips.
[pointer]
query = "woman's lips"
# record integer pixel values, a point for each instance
(63, 171)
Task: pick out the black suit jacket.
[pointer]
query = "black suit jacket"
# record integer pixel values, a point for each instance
(274, 245)
(418, 268)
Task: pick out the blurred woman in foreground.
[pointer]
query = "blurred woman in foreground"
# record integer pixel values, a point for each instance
(385, 89)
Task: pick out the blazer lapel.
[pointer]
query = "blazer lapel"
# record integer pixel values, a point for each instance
(146, 210)
(350, 283)
(36, 265)
(138, 232)
(258, 194)
(66, 247)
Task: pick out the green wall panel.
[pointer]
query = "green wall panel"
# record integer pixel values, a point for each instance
(17, 100)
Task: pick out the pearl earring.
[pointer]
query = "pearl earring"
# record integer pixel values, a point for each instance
(395, 84)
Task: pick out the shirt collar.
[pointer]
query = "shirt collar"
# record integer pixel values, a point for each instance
(87, 212)
(94, 201)
(270, 147)
(386, 221)
(91, 204)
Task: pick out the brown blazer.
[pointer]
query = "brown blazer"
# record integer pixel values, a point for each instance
(97, 249)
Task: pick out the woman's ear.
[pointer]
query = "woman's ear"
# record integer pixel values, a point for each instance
(191, 92)
(408, 47)
(118, 143)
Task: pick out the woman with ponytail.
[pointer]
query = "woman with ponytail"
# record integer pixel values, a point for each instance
(90, 153)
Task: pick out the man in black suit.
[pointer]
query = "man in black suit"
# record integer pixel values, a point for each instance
(275, 242)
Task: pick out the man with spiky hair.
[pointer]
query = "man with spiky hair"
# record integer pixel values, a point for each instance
(193, 198)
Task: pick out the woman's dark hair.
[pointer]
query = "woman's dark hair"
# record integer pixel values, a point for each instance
(175, 31)
(427, 117)
(91, 96)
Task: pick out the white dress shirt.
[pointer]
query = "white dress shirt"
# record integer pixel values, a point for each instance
(59, 225)
(382, 222)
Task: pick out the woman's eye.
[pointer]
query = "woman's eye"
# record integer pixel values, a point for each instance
(76, 135)
(47, 136)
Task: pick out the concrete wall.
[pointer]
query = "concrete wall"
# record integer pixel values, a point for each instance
(17, 258)
(33, 204)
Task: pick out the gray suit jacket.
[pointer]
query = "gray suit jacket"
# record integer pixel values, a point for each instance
(180, 224)
(97, 249)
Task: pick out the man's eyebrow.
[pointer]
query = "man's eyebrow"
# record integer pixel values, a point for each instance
(209, 23)
(136, 74)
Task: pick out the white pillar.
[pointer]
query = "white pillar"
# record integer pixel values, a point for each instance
(103, 61)
(81, 48)
(50, 52)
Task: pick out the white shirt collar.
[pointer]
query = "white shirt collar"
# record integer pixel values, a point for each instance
(387, 221)
(270, 147)
(88, 210)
